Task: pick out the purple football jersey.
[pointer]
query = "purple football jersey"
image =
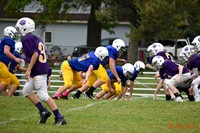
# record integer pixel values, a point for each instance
(165, 55)
(30, 45)
(194, 62)
(171, 68)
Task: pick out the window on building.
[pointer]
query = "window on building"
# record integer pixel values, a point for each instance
(48, 37)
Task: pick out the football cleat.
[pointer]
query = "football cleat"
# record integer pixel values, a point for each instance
(63, 97)
(44, 115)
(60, 121)
(75, 96)
(89, 95)
(179, 99)
(55, 97)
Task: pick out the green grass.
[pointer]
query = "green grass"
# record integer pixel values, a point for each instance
(140, 115)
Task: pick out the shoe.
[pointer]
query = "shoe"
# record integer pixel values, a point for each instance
(64, 97)
(60, 121)
(44, 116)
(89, 95)
(196, 98)
(55, 97)
(75, 97)
(179, 99)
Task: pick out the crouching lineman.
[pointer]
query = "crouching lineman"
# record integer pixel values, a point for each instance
(86, 63)
(100, 76)
(125, 72)
(172, 74)
(190, 57)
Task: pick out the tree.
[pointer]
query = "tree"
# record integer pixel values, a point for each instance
(53, 10)
(166, 19)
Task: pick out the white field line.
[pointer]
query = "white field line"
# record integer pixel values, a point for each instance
(69, 110)
(144, 85)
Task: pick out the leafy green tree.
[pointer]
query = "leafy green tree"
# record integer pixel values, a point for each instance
(59, 10)
(165, 19)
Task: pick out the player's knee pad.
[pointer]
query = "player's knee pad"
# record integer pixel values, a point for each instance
(43, 96)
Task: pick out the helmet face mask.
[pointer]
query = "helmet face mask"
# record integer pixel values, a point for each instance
(149, 51)
(128, 70)
(157, 62)
(186, 53)
(18, 47)
(196, 43)
(182, 59)
(11, 32)
(128, 75)
(140, 66)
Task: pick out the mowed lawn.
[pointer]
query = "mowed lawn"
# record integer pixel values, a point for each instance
(140, 115)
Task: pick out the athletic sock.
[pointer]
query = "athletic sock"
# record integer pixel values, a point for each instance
(56, 95)
(65, 93)
(177, 95)
(78, 93)
(168, 97)
(40, 107)
(57, 114)
(91, 90)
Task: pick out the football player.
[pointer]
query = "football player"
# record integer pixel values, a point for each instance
(86, 63)
(7, 49)
(172, 74)
(153, 50)
(100, 76)
(126, 72)
(189, 55)
(36, 73)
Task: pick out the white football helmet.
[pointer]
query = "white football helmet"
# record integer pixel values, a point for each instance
(182, 58)
(196, 43)
(157, 47)
(128, 70)
(140, 66)
(118, 44)
(186, 52)
(10, 31)
(18, 47)
(150, 51)
(157, 61)
(25, 25)
(101, 52)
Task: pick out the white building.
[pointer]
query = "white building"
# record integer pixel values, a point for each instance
(65, 34)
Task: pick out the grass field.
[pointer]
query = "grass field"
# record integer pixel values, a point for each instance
(140, 115)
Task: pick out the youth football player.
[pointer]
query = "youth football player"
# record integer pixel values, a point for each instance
(86, 63)
(36, 74)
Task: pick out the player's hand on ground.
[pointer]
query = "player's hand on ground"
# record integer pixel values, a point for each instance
(155, 97)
